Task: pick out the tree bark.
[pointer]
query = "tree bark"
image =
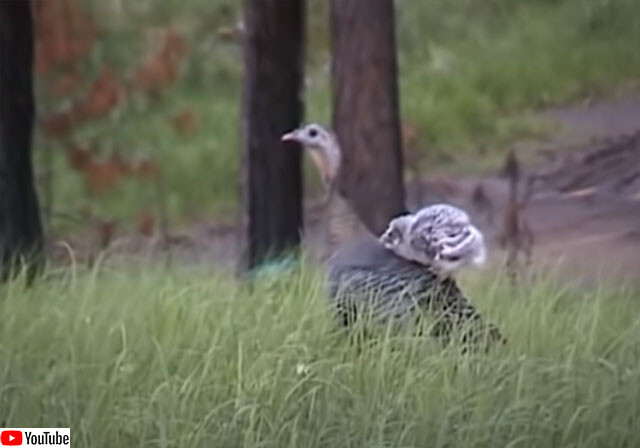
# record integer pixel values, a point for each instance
(20, 227)
(274, 58)
(365, 109)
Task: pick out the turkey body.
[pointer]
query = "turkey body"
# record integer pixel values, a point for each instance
(368, 282)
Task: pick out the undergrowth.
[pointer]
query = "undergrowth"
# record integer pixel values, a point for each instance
(149, 356)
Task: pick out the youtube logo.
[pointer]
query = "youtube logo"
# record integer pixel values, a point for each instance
(40, 437)
(11, 437)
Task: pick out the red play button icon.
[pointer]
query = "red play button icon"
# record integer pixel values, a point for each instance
(11, 438)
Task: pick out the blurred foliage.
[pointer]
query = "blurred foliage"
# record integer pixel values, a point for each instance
(139, 101)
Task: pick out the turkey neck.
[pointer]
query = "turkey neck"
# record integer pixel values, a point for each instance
(342, 223)
(328, 160)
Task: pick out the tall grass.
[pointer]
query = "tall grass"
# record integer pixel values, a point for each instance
(149, 357)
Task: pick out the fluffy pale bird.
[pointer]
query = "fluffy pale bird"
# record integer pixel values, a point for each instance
(439, 235)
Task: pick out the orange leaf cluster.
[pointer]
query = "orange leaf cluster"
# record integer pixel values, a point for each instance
(101, 177)
(103, 95)
(105, 175)
(78, 156)
(63, 34)
(185, 122)
(161, 68)
(57, 124)
(145, 223)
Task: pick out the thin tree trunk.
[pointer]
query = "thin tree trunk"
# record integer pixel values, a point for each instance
(366, 110)
(20, 227)
(274, 56)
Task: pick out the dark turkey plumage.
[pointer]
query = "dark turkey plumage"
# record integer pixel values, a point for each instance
(367, 281)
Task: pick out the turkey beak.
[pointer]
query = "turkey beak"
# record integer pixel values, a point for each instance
(289, 137)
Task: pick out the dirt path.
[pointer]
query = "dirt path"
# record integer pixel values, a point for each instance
(585, 235)
(583, 123)
(585, 209)
(593, 226)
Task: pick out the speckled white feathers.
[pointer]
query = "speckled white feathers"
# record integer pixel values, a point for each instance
(440, 235)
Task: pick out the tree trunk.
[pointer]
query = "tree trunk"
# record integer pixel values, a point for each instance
(274, 58)
(20, 228)
(365, 109)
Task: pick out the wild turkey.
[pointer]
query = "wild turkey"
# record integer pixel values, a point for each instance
(341, 222)
(367, 280)
(440, 235)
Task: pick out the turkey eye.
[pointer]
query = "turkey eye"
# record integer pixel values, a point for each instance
(313, 133)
